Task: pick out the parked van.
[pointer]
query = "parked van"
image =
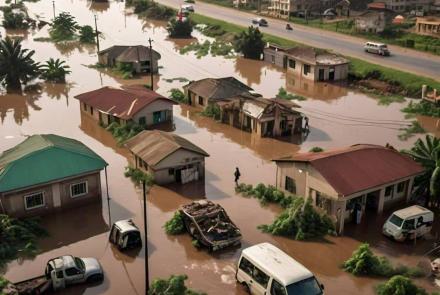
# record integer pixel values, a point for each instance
(377, 48)
(265, 269)
(408, 223)
(260, 21)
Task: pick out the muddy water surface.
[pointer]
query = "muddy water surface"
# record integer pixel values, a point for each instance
(337, 117)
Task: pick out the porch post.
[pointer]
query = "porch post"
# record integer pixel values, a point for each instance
(381, 201)
(341, 217)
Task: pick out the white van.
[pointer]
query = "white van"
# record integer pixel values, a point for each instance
(408, 223)
(266, 270)
(377, 48)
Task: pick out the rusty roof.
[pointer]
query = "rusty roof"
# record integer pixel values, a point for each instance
(312, 56)
(126, 53)
(219, 88)
(359, 167)
(122, 103)
(154, 146)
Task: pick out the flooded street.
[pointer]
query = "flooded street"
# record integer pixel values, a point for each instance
(338, 117)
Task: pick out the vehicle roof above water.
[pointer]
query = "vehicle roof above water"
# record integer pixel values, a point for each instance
(413, 211)
(126, 225)
(375, 43)
(275, 262)
(64, 262)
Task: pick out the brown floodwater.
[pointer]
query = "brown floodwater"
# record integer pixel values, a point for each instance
(338, 116)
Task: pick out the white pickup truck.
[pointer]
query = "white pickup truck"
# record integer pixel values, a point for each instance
(63, 271)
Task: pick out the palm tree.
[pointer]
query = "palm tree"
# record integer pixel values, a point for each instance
(16, 64)
(427, 153)
(55, 70)
(63, 27)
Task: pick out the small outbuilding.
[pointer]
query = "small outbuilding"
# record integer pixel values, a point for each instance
(168, 157)
(362, 177)
(129, 104)
(46, 173)
(141, 59)
(202, 92)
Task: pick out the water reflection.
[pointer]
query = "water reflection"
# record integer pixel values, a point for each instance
(315, 90)
(58, 90)
(18, 104)
(68, 48)
(250, 70)
(98, 6)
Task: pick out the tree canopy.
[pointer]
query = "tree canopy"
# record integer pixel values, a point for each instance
(180, 28)
(55, 70)
(63, 27)
(250, 43)
(399, 285)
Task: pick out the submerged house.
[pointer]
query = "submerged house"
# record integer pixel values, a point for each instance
(139, 57)
(168, 157)
(369, 177)
(131, 103)
(264, 117)
(202, 92)
(308, 62)
(45, 173)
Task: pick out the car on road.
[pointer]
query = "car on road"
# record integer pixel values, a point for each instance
(187, 8)
(260, 21)
(377, 48)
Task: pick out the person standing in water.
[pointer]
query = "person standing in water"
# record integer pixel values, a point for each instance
(237, 175)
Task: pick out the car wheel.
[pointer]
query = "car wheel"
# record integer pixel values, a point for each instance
(95, 278)
(246, 288)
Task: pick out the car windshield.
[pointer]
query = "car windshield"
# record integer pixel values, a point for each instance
(383, 46)
(396, 220)
(305, 287)
(79, 263)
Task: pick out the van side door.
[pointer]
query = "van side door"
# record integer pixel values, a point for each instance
(73, 275)
(409, 228)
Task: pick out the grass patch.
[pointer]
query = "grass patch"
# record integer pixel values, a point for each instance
(174, 285)
(423, 107)
(18, 238)
(179, 79)
(364, 262)
(212, 111)
(266, 194)
(389, 99)
(175, 226)
(216, 48)
(410, 131)
(283, 94)
(43, 39)
(316, 149)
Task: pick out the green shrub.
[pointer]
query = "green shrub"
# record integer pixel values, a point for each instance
(124, 132)
(180, 28)
(411, 130)
(424, 108)
(250, 43)
(316, 149)
(212, 110)
(176, 225)
(63, 27)
(14, 20)
(265, 194)
(138, 176)
(399, 285)
(87, 35)
(283, 94)
(3, 283)
(363, 262)
(300, 221)
(174, 285)
(18, 237)
(151, 9)
(178, 95)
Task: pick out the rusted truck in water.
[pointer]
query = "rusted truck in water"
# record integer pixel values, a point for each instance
(60, 272)
(210, 225)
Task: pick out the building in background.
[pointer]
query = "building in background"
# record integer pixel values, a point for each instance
(429, 26)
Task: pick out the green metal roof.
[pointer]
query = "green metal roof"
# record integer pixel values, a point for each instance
(45, 158)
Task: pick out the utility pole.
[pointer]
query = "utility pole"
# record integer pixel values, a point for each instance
(53, 8)
(97, 33)
(147, 279)
(151, 64)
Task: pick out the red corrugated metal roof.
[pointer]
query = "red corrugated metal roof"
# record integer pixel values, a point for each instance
(122, 103)
(359, 167)
(376, 5)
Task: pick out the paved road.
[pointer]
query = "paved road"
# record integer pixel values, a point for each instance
(403, 59)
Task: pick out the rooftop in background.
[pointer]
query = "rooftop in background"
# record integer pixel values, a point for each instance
(358, 167)
(154, 146)
(44, 158)
(125, 53)
(272, 260)
(218, 88)
(122, 103)
(313, 56)
(377, 6)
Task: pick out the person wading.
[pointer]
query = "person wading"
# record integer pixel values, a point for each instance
(237, 175)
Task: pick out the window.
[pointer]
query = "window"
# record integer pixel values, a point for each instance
(78, 189)
(307, 286)
(389, 191)
(201, 101)
(260, 277)
(72, 271)
(408, 224)
(306, 69)
(34, 201)
(273, 59)
(292, 63)
(142, 121)
(277, 289)
(171, 171)
(84, 106)
(401, 187)
(246, 266)
(91, 110)
(290, 185)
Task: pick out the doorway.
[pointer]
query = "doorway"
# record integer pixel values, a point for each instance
(321, 75)
(178, 175)
(331, 74)
(372, 203)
